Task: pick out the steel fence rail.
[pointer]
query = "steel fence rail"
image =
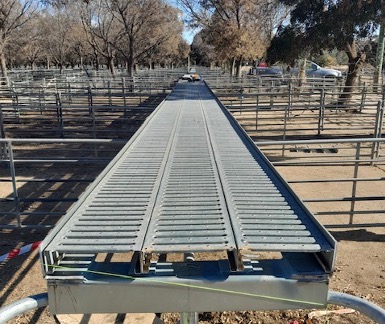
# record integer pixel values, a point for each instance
(356, 159)
(12, 155)
(369, 309)
(22, 306)
(349, 158)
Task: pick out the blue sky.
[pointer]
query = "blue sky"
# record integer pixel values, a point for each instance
(188, 34)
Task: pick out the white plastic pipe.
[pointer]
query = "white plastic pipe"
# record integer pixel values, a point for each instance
(371, 310)
(374, 312)
(21, 306)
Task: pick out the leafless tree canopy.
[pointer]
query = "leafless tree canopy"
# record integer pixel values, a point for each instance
(14, 15)
(238, 29)
(70, 32)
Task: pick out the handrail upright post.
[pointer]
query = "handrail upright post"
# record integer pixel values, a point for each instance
(377, 132)
(354, 186)
(363, 97)
(59, 114)
(321, 111)
(3, 151)
(284, 128)
(124, 96)
(256, 112)
(109, 93)
(14, 186)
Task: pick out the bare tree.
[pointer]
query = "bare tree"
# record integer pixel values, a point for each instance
(238, 29)
(30, 41)
(58, 41)
(14, 14)
(146, 25)
(102, 28)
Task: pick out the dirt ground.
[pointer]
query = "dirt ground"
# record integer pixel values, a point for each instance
(360, 266)
(360, 271)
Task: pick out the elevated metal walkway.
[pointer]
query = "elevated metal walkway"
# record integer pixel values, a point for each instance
(190, 180)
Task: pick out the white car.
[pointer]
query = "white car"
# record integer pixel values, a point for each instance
(187, 77)
(191, 77)
(316, 71)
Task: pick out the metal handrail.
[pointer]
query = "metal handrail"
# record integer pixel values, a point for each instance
(364, 306)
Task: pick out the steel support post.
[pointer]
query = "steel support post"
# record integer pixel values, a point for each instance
(188, 318)
(256, 113)
(109, 93)
(59, 114)
(377, 131)
(286, 117)
(363, 97)
(14, 186)
(354, 187)
(321, 112)
(3, 150)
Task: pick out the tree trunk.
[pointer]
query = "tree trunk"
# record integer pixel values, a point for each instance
(355, 63)
(130, 67)
(232, 68)
(302, 73)
(3, 66)
(130, 59)
(239, 68)
(110, 64)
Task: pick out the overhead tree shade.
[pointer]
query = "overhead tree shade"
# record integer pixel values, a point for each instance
(322, 24)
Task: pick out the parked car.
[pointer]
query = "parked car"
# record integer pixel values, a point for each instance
(191, 77)
(316, 71)
(274, 72)
(187, 77)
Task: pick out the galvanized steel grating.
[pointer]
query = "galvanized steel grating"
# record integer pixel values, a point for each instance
(190, 180)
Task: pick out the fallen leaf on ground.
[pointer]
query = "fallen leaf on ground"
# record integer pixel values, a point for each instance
(327, 312)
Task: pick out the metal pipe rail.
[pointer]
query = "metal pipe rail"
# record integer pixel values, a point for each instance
(190, 180)
(303, 161)
(289, 118)
(16, 204)
(356, 159)
(371, 310)
(22, 306)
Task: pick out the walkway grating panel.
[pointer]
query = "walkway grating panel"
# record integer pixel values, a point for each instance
(189, 181)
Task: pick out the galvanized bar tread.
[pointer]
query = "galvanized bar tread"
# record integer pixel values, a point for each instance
(189, 181)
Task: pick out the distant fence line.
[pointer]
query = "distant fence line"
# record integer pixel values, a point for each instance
(270, 107)
(73, 107)
(275, 108)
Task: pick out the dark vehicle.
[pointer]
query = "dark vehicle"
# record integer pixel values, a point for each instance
(274, 72)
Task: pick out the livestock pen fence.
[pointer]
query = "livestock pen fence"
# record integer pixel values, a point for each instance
(44, 180)
(59, 133)
(76, 106)
(274, 108)
(45, 176)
